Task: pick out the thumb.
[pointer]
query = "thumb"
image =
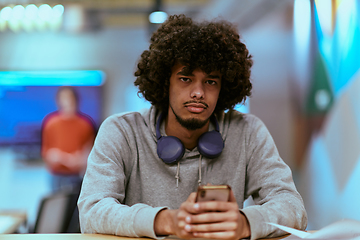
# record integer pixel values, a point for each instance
(192, 197)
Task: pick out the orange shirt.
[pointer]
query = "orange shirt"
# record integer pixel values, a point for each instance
(67, 134)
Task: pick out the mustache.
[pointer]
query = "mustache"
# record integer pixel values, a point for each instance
(197, 102)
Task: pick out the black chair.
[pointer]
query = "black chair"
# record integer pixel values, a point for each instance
(58, 213)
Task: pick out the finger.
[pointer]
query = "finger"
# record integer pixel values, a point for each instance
(185, 235)
(216, 235)
(192, 208)
(180, 229)
(189, 208)
(181, 222)
(217, 206)
(189, 205)
(213, 217)
(192, 197)
(212, 227)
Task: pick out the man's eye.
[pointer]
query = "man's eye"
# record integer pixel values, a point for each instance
(211, 82)
(185, 79)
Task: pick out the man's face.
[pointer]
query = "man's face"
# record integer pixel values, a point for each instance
(193, 95)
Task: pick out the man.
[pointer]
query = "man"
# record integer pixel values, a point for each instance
(67, 138)
(145, 167)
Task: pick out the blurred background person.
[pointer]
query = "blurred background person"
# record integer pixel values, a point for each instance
(67, 138)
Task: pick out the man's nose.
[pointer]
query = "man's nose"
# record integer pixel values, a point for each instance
(197, 91)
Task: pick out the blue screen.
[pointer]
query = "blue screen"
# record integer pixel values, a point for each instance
(24, 108)
(24, 105)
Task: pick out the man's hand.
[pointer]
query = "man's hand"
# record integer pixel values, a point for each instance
(172, 222)
(213, 219)
(218, 220)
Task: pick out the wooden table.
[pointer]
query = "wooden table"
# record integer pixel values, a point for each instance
(11, 220)
(64, 236)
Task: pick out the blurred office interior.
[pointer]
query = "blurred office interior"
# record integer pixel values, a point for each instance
(305, 83)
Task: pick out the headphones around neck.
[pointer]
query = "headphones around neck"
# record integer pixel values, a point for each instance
(170, 149)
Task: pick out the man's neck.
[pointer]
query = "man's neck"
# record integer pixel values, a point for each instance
(188, 137)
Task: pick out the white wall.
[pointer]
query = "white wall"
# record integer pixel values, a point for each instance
(113, 50)
(270, 43)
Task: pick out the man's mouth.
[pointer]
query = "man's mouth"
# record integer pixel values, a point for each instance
(196, 107)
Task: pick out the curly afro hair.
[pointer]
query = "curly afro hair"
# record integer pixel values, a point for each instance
(210, 46)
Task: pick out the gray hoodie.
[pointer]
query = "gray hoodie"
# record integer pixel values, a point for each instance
(126, 184)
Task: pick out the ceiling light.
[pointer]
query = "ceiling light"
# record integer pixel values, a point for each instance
(6, 13)
(158, 17)
(58, 10)
(18, 12)
(31, 11)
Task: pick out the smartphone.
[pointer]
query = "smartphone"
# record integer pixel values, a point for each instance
(213, 193)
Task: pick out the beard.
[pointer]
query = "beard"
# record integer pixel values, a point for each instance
(190, 124)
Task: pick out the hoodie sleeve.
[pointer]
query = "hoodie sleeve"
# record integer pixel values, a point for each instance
(103, 190)
(269, 181)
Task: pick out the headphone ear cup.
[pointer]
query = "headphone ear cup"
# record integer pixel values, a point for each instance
(211, 144)
(170, 149)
